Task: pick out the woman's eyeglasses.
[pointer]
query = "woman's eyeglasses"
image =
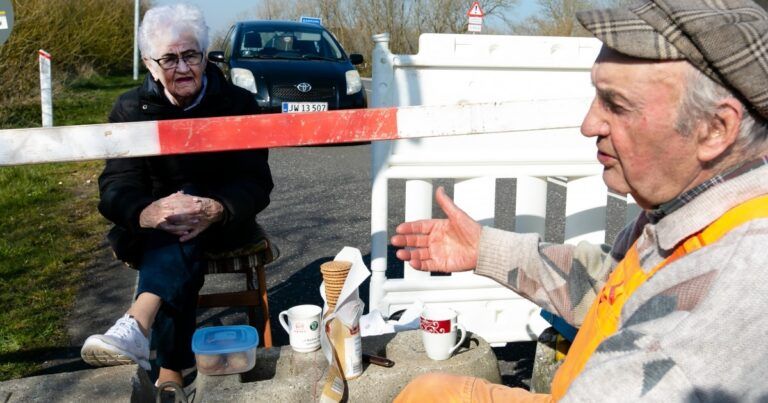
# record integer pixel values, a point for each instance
(172, 61)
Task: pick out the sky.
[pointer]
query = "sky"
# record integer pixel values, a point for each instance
(220, 13)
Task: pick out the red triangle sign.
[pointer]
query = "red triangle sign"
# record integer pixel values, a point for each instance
(475, 10)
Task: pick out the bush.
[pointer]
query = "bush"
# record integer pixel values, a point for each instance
(84, 37)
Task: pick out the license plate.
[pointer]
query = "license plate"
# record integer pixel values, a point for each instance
(289, 107)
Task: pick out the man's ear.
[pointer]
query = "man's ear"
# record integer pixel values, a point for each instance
(721, 131)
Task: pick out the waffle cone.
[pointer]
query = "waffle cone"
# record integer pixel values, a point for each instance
(334, 275)
(336, 266)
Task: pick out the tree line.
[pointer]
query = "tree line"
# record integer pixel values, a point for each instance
(88, 37)
(354, 22)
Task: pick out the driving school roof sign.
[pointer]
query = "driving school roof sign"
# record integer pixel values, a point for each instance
(311, 20)
(6, 20)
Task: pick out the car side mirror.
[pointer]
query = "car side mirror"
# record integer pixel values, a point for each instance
(216, 56)
(356, 58)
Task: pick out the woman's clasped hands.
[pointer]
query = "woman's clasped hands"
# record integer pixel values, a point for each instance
(181, 214)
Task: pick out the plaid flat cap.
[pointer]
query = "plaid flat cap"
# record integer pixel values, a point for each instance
(726, 39)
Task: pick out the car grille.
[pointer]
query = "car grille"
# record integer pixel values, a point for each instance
(286, 92)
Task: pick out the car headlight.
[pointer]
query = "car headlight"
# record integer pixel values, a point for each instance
(354, 84)
(244, 78)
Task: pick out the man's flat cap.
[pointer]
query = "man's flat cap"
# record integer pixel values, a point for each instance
(726, 39)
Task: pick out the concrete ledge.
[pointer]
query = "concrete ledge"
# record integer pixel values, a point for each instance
(109, 384)
(281, 375)
(284, 376)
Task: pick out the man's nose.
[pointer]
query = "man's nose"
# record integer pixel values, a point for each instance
(594, 123)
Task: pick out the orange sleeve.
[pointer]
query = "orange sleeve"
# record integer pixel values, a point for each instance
(439, 387)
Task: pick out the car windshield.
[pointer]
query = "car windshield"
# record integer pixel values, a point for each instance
(289, 44)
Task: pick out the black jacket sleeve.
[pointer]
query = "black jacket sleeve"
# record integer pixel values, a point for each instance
(124, 185)
(124, 192)
(244, 191)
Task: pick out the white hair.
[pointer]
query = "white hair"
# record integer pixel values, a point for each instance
(699, 103)
(169, 23)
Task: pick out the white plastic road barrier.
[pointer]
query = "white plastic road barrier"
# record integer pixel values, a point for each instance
(46, 92)
(116, 140)
(538, 72)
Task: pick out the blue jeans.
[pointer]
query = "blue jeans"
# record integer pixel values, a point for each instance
(174, 272)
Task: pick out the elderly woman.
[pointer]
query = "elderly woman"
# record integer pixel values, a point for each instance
(168, 210)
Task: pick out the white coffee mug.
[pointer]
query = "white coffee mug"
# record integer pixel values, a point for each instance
(438, 332)
(303, 327)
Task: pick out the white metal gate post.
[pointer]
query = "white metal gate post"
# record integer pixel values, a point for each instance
(136, 40)
(46, 96)
(381, 82)
(418, 206)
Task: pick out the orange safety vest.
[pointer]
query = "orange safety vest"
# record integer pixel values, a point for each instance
(602, 320)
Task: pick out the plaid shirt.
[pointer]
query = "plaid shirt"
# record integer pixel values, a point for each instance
(669, 207)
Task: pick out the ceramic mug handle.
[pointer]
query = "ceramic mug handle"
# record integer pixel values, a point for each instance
(459, 328)
(282, 317)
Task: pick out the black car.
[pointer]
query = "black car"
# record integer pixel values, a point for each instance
(291, 66)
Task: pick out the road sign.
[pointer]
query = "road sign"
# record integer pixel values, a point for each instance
(311, 20)
(474, 27)
(476, 20)
(6, 20)
(475, 10)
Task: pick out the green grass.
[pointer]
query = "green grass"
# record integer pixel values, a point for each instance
(49, 231)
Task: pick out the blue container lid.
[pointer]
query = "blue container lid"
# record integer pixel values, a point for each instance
(224, 339)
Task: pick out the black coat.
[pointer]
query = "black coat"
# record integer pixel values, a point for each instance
(240, 180)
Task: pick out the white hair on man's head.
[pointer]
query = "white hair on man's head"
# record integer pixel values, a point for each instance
(169, 23)
(699, 102)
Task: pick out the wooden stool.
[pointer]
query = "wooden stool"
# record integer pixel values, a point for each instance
(248, 260)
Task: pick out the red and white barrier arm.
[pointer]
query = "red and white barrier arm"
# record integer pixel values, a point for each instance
(119, 140)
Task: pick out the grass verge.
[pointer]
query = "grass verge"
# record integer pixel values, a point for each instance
(49, 231)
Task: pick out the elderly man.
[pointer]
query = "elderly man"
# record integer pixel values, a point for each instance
(675, 310)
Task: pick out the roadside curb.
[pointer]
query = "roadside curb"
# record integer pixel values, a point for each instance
(284, 375)
(98, 384)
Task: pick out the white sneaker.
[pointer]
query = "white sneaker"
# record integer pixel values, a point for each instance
(122, 344)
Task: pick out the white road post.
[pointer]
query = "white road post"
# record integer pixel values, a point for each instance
(381, 83)
(46, 94)
(136, 40)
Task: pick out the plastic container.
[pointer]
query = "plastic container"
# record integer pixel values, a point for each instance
(222, 350)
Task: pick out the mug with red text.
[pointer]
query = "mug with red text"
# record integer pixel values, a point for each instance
(438, 332)
(303, 327)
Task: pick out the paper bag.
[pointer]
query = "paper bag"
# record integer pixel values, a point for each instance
(341, 340)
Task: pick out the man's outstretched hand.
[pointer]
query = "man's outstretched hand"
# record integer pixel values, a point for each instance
(444, 245)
